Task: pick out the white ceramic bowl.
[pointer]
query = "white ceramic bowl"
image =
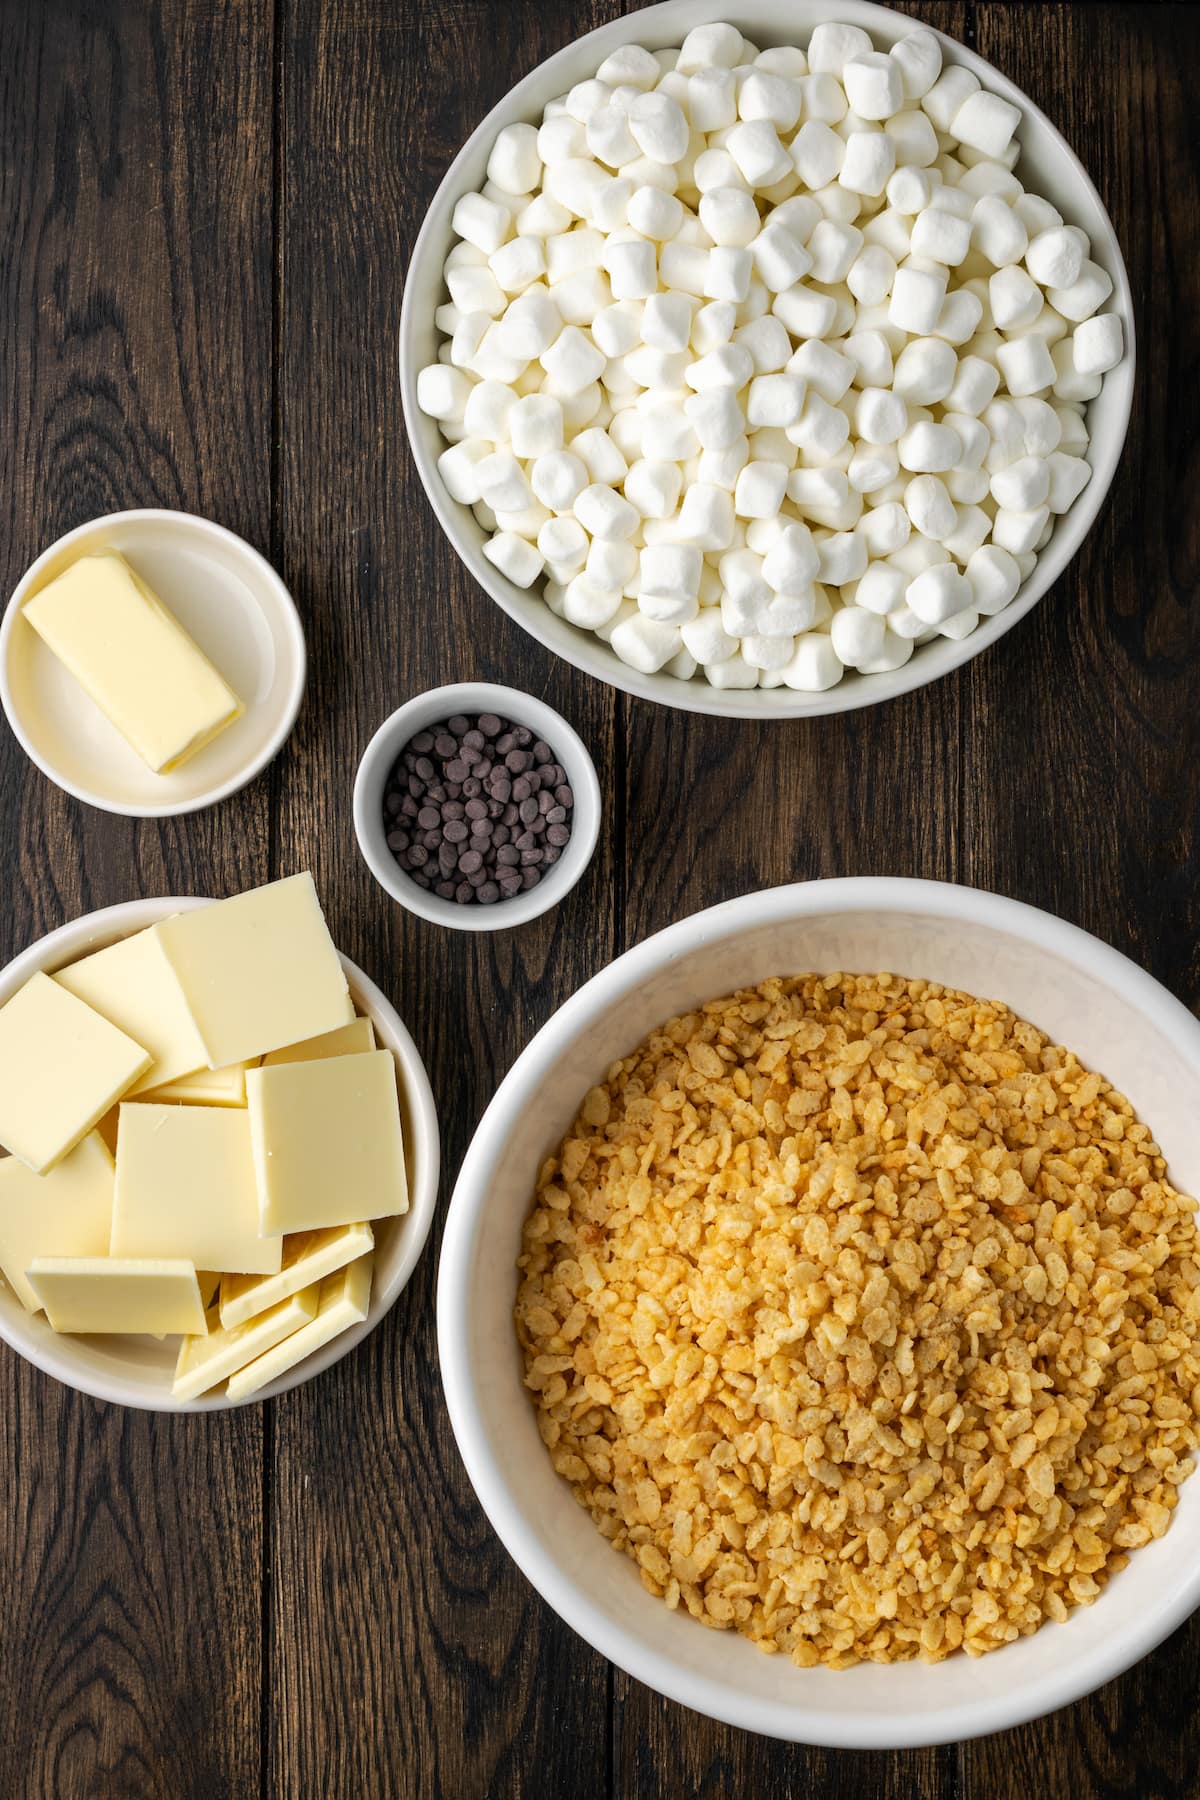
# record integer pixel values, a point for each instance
(1048, 166)
(137, 1371)
(1072, 986)
(433, 708)
(228, 598)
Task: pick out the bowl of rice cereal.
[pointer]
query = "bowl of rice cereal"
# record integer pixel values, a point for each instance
(819, 1312)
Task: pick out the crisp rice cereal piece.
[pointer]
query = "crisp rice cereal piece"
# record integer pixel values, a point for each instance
(864, 1320)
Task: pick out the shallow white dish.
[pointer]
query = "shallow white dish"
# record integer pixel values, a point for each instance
(232, 603)
(1085, 995)
(1048, 165)
(137, 1371)
(433, 708)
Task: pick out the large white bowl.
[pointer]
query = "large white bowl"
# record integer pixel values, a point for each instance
(137, 1371)
(1048, 166)
(1069, 984)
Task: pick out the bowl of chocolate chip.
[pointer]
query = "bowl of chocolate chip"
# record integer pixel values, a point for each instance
(476, 806)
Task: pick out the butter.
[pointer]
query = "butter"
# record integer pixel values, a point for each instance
(65, 1213)
(347, 1040)
(328, 1148)
(185, 1187)
(307, 1257)
(344, 1299)
(61, 1067)
(134, 987)
(259, 971)
(96, 1293)
(134, 659)
(205, 1361)
(205, 1087)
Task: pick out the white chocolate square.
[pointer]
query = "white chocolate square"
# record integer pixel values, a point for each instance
(110, 1294)
(308, 1256)
(347, 1040)
(65, 1213)
(206, 1360)
(343, 1302)
(133, 986)
(186, 1188)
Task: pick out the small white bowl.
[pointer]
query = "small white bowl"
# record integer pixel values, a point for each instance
(1085, 995)
(228, 598)
(1048, 166)
(433, 708)
(137, 1371)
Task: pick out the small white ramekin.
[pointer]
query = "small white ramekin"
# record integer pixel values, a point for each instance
(433, 708)
(228, 597)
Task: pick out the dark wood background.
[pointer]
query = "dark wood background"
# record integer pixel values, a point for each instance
(205, 208)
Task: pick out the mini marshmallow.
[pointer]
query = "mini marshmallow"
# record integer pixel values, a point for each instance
(790, 565)
(706, 517)
(598, 454)
(668, 570)
(730, 365)
(665, 323)
(779, 258)
(727, 273)
(716, 418)
(881, 589)
(651, 368)
(1069, 383)
(831, 47)
(760, 490)
(1069, 475)
(653, 487)
(744, 592)
(502, 482)
(487, 409)
(874, 85)
(581, 296)
(1072, 428)
(667, 434)
(972, 529)
(733, 673)
(535, 426)
(815, 664)
(1084, 297)
(1014, 298)
(514, 163)
(998, 232)
(767, 341)
(785, 614)
(580, 409)
(631, 265)
(609, 138)
(975, 385)
(457, 468)
(880, 415)
(730, 216)
(542, 218)
(755, 147)
(629, 66)
(761, 651)
(518, 263)
(872, 467)
(938, 593)
(645, 644)
(775, 400)
(990, 178)
(917, 296)
(967, 487)
(712, 101)
(833, 248)
(929, 449)
(871, 355)
(994, 578)
(515, 557)
(918, 56)
(871, 274)
(929, 506)
(710, 47)
(721, 468)
(604, 513)
(612, 565)
(857, 635)
(889, 230)
(941, 235)
(653, 213)
(571, 362)
(913, 139)
(1027, 366)
(973, 436)
(1055, 257)
(443, 391)
(821, 429)
(1018, 532)
(765, 95)
(683, 268)
(961, 625)
(960, 317)
(942, 101)
(886, 529)
(904, 626)
(713, 325)
(1022, 485)
(564, 542)
(660, 126)
(910, 190)
(986, 123)
(482, 222)
(925, 371)
(705, 637)
(1099, 344)
(805, 311)
(869, 161)
(843, 557)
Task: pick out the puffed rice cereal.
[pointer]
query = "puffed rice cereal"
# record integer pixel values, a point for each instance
(864, 1320)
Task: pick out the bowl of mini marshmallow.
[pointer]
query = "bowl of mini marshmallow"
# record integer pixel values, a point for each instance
(767, 363)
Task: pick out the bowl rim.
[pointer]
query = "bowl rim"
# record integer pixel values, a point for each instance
(54, 1356)
(801, 1721)
(474, 696)
(583, 649)
(293, 632)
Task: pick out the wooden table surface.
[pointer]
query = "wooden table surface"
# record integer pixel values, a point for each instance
(205, 210)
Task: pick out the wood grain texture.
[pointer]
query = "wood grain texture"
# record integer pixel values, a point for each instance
(205, 212)
(135, 365)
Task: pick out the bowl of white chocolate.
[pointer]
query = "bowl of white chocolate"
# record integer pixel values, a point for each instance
(222, 1150)
(766, 362)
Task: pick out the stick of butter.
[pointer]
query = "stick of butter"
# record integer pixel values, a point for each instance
(307, 1257)
(204, 1361)
(343, 1302)
(134, 659)
(100, 1293)
(134, 987)
(61, 1067)
(259, 971)
(65, 1213)
(328, 1146)
(186, 1188)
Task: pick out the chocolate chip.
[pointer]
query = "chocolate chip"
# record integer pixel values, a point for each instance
(428, 817)
(542, 752)
(490, 725)
(473, 740)
(487, 894)
(558, 835)
(517, 761)
(456, 831)
(469, 861)
(529, 811)
(563, 795)
(422, 742)
(458, 725)
(445, 745)
(510, 885)
(457, 770)
(476, 809)
(423, 768)
(445, 889)
(555, 814)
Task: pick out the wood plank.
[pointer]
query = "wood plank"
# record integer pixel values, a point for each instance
(135, 365)
(1085, 795)
(408, 1656)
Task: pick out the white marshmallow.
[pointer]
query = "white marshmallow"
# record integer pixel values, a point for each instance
(514, 163)
(443, 391)
(885, 529)
(971, 529)
(762, 651)
(766, 95)
(1069, 383)
(612, 565)
(564, 543)
(667, 434)
(832, 46)
(609, 138)
(975, 384)
(604, 513)
(580, 409)
(1018, 532)
(665, 323)
(502, 482)
(631, 265)
(518, 263)
(986, 123)
(729, 365)
(581, 296)
(1069, 475)
(815, 664)
(1027, 366)
(535, 426)
(779, 258)
(586, 604)
(967, 487)
(938, 593)
(925, 371)
(910, 190)
(874, 85)
(871, 355)
(1013, 297)
(929, 506)
(721, 468)
(744, 593)
(651, 368)
(960, 625)
(457, 468)
(941, 235)
(817, 154)
(929, 449)
(713, 325)
(917, 296)
(669, 571)
(712, 100)
(645, 644)
(729, 216)
(857, 635)
(654, 213)
(872, 467)
(870, 159)
(821, 429)
(914, 140)
(660, 126)
(760, 490)
(918, 56)
(998, 232)
(880, 415)
(654, 487)
(819, 493)
(1055, 257)
(482, 222)
(706, 517)
(727, 273)
(889, 230)
(755, 147)
(716, 418)
(710, 47)
(775, 400)
(1099, 344)
(767, 341)
(598, 454)
(1083, 297)
(705, 637)
(572, 362)
(843, 557)
(973, 436)
(1073, 431)
(786, 613)
(542, 218)
(488, 406)
(994, 578)
(871, 274)
(734, 673)
(629, 66)
(805, 311)
(790, 565)
(947, 94)
(833, 248)
(683, 268)
(1023, 484)
(881, 589)
(960, 317)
